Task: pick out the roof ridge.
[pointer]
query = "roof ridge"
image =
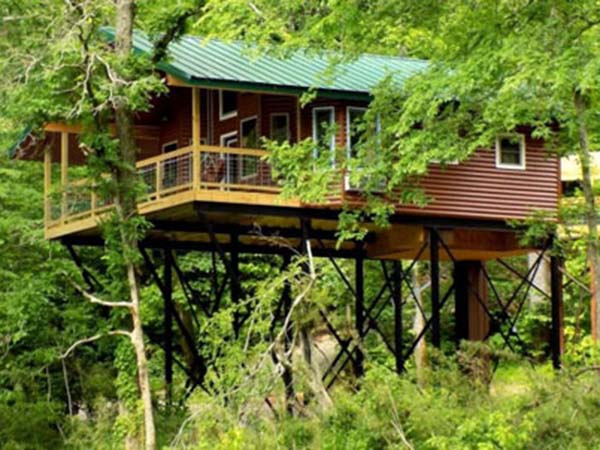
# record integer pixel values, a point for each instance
(300, 49)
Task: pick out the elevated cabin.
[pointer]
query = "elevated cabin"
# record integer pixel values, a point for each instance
(209, 185)
(199, 148)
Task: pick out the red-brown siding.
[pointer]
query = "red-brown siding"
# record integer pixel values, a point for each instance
(477, 188)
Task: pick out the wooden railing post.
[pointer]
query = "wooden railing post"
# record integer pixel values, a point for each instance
(158, 181)
(47, 185)
(94, 202)
(64, 174)
(197, 167)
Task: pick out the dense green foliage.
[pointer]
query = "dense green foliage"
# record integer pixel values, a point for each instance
(494, 65)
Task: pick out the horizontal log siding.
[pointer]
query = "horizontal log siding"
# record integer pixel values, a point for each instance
(477, 188)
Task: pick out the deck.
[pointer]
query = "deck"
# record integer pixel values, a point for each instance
(171, 180)
(235, 188)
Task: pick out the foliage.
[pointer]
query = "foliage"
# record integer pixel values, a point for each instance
(525, 409)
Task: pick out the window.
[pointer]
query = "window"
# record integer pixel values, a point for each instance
(354, 118)
(229, 139)
(169, 147)
(248, 164)
(354, 133)
(227, 104)
(323, 133)
(510, 151)
(171, 168)
(280, 127)
(226, 161)
(249, 132)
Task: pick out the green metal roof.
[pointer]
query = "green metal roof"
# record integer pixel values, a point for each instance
(231, 64)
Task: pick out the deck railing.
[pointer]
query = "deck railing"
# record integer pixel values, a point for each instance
(203, 168)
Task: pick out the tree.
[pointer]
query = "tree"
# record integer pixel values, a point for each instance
(493, 66)
(81, 77)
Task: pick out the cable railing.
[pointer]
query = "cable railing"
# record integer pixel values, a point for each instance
(189, 169)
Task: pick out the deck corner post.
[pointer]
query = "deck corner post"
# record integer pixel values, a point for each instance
(556, 299)
(47, 185)
(435, 287)
(64, 174)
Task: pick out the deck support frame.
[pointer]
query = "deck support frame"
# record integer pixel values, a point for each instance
(396, 292)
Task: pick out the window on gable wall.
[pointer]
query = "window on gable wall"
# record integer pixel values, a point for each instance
(323, 121)
(510, 151)
(227, 104)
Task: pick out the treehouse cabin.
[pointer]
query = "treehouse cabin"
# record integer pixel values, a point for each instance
(200, 148)
(208, 182)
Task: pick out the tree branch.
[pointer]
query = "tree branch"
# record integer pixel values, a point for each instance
(93, 299)
(93, 339)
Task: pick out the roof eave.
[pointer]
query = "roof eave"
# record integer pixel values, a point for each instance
(184, 79)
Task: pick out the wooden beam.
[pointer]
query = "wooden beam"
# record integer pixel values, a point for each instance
(148, 132)
(196, 136)
(404, 241)
(64, 172)
(196, 117)
(57, 127)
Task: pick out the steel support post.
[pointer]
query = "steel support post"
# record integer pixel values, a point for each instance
(168, 324)
(556, 332)
(435, 287)
(359, 311)
(398, 329)
(234, 262)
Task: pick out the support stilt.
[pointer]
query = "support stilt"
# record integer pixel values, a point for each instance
(359, 311)
(471, 320)
(235, 283)
(168, 325)
(435, 287)
(556, 332)
(398, 329)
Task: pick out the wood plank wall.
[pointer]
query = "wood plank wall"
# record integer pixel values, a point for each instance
(473, 189)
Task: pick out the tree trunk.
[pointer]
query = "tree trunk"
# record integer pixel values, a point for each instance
(581, 107)
(540, 278)
(420, 351)
(126, 209)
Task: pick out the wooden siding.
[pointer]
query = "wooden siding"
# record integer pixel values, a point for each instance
(477, 188)
(473, 189)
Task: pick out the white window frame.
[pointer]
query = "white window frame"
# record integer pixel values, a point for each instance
(314, 130)
(349, 124)
(166, 144)
(499, 163)
(222, 139)
(347, 184)
(225, 136)
(287, 117)
(244, 120)
(228, 115)
(241, 160)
